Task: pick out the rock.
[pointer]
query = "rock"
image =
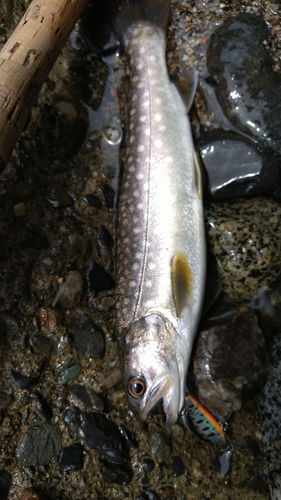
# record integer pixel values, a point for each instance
(39, 445)
(34, 493)
(245, 237)
(103, 435)
(71, 457)
(42, 406)
(231, 360)
(70, 373)
(109, 195)
(119, 474)
(246, 86)
(5, 483)
(6, 396)
(23, 381)
(236, 167)
(89, 337)
(58, 197)
(72, 418)
(93, 200)
(33, 239)
(70, 291)
(105, 238)
(98, 279)
(87, 397)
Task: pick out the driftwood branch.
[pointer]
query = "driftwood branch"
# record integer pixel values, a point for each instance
(26, 60)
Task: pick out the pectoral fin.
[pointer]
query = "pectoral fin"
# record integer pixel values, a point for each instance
(182, 282)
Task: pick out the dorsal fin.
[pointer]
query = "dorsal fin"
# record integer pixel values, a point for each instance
(182, 282)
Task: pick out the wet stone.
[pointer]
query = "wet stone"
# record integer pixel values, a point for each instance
(178, 468)
(74, 140)
(231, 362)
(70, 291)
(78, 244)
(89, 337)
(6, 396)
(39, 445)
(236, 167)
(42, 344)
(245, 238)
(129, 437)
(268, 306)
(87, 397)
(70, 373)
(5, 483)
(72, 418)
(58, 197)
(33, 239)
(109, 195)
(103, 435)
(148, 464)
(247, 87)
(23, 381)
(105, 238)
(98, 279)
(117, 473)
(71, 457)
(42, 406)
(93, 200)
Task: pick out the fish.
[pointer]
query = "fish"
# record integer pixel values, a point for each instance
(160, 249)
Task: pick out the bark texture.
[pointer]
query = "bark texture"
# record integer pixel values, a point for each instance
(26, 60)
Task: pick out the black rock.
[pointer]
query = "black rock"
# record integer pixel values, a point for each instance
(246, 86)
(236, 166)
(22, 381)
(178, 467)
(103, 435)
(109, 195)
(33, 239)
(93, 200)
(5, 483)
(42, 406)
(73, 141)
(89, 337)
(98, 279)
(39, 444)
(58, 197)
(6, 396)
(148, 464)
(87, 397)
(118, 474)
(129, 437)
(71, 457)
(105, 238)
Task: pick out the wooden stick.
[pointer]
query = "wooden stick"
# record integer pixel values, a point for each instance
(26, 60)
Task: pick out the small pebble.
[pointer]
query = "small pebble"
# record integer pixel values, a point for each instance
(70, 291)
(39, 444)
(89, 337)
(71, 457)
(98, 279)
(70, 373)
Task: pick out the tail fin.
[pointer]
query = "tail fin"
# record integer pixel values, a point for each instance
(132, 11)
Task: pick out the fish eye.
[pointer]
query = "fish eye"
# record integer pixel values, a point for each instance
(136, 387)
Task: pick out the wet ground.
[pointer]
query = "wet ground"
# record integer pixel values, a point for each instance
(57, 339)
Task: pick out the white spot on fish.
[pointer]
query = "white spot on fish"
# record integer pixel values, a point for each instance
(141, 148)
(138, 255)
(124, 310)
(158, 117)
(136, 193)
(132, 139)
(135, 79)
(126, 302)
(132, 284)
(140, 206)
(134, 97)
(136, 266)
(158, 100)
(139, 65)
(132, 111)
(151, 266)
(132, 168)
(158, 143)
(147, 132)
(142, 118)
(148, 284)
(137, 230)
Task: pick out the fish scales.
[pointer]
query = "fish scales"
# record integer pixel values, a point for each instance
(160, 216)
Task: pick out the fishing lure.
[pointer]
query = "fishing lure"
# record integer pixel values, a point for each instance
(198, 420)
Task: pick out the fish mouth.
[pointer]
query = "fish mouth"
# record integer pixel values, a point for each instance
(163, 390)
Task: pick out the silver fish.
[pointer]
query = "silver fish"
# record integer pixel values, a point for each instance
(160, 241)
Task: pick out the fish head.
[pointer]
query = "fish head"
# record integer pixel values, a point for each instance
(151, 371)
